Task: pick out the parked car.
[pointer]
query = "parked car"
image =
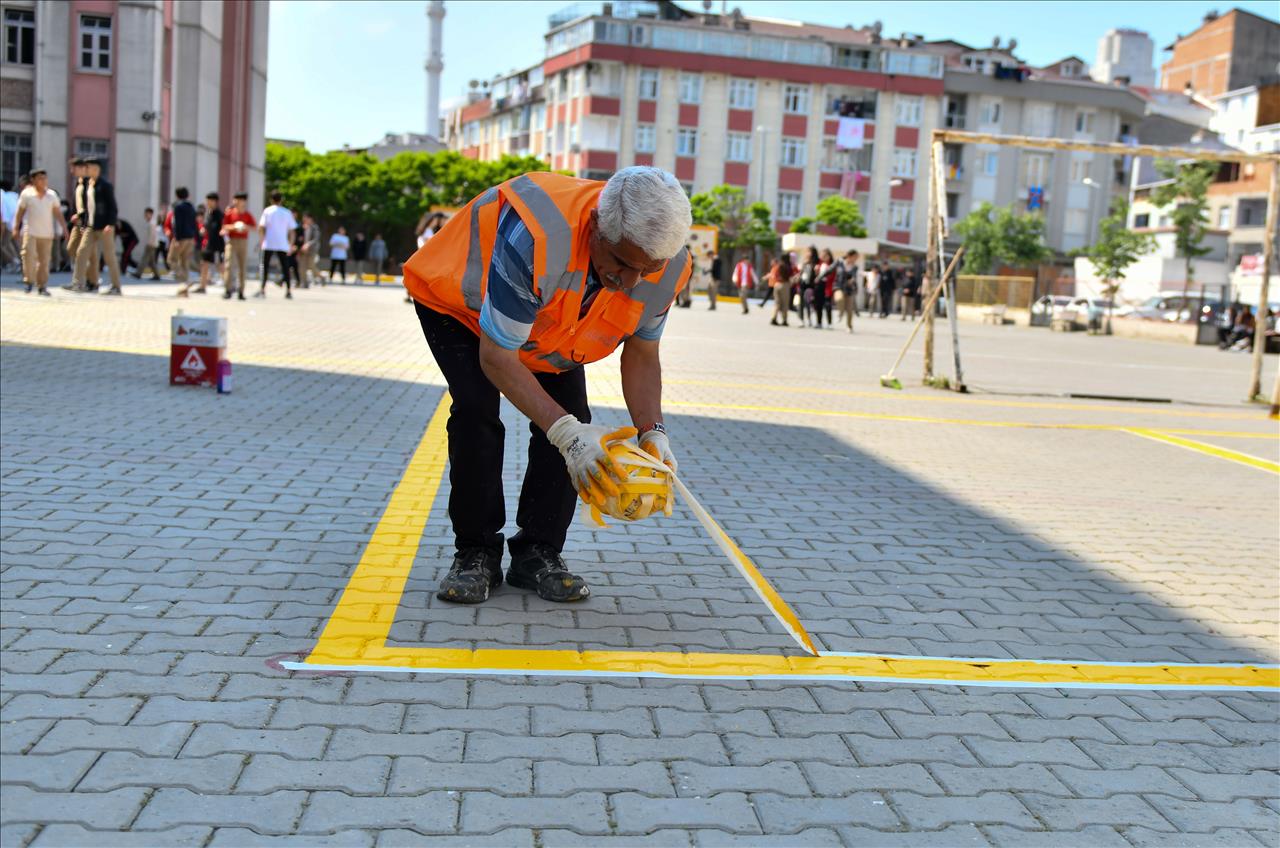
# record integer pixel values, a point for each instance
(1171, 307)
(1051, 306)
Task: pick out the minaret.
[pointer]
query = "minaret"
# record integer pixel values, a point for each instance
(435, 64)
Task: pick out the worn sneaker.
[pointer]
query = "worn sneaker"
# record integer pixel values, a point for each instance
(475, 571)
(540, 569)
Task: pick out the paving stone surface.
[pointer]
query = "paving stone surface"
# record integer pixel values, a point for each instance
(164, 549)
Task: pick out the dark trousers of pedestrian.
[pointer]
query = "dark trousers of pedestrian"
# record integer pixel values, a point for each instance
(283, 258)
(340, 265)
(476, 434)
(820, 306)
(886, 301)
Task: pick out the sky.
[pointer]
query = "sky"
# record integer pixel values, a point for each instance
(349, 71)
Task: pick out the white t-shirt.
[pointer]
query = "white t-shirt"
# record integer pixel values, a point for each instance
(38, 218)
(338, 245)
(276, 221)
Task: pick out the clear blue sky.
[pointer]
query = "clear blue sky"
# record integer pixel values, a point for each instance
(348, 72)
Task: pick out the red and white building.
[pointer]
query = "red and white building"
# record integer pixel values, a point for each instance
(166, 93)
(714, 99)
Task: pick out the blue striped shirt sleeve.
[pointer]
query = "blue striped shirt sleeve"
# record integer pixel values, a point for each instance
(510, 303)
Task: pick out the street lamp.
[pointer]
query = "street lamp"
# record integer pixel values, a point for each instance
(879, 209)
(764, 146)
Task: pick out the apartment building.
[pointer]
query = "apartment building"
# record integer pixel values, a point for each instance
(1125, 54)
(1225, 53)
(166, 93)
(725, 99)
(989, 90)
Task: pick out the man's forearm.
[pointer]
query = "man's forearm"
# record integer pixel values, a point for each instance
(642, 381)
(509, 376)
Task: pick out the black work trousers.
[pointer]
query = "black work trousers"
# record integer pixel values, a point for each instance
(476, 434)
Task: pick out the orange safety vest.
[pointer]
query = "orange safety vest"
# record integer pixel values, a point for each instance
(450, 273)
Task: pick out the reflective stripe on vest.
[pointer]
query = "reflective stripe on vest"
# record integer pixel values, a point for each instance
(471, 294)
(557, 241)
(658, 297)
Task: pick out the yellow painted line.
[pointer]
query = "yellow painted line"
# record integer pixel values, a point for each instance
(922, 419)
(938, 397)
(363, 656)
(1211, 450)
(355, 637)
(763, 588)
(367, 608)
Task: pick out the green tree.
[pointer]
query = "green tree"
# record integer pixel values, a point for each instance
(1186, 188)
(803, 224)
(1116, 248)
(742, 225)
(995, 234)
(843, 214)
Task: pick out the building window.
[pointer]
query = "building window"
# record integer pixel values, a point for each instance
(835, 159)
(98, 148)
(644, 138)
(688, 189)
(648, 83)
(904, 162)
(739, 147)
(95, 43)
(691, 88)
(788, 205)
(1224, 218)
(991, 112)
(990, 163)
(1080, 170)
(686, 142)
(793, 152)
(899, 215)
(795, 99)
(1252, 212)
(1084, 123)
(1038, 120)
(1076, 221)
(742, 93)
(1141, 222)
(20, 36)
(1035, 170)
(15, 156)
(907, 110)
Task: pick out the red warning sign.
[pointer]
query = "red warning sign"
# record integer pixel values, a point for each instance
(197, 345)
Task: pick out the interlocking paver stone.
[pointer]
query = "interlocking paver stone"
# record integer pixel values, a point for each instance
(152, 578)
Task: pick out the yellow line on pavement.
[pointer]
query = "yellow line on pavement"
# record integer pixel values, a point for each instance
(922, 419)
(939, 397)
(355, 637)
(1211, 450)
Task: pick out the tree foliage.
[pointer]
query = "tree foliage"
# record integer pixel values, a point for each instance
(1186, 188)
(995, 234)
(1117, 247)
(803, 224)
(364, 193)
(843, 214)
(742, 224)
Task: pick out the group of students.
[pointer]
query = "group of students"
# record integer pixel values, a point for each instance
(814, 289)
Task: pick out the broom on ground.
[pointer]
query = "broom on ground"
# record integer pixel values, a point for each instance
(888, 380)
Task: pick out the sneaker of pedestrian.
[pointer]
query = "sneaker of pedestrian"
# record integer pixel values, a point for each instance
(113, 291)
(474, 573)
(73, 287)
(29, 287)
(540, 569)
(202, 290)
(242, 295)
(227, 295)
(45, 293)
(181, 293)
(288, 295)
(261, 294)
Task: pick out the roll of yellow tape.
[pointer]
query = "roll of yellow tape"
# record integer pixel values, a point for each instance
(645, 490)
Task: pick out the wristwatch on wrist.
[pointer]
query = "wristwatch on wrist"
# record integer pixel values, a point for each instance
(657, 425)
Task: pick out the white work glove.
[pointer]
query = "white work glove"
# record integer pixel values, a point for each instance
(657, 445)
(594, 473)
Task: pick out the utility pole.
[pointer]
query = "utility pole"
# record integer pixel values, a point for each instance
(1264, 292)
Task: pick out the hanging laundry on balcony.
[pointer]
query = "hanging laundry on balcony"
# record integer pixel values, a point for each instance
(851, 133)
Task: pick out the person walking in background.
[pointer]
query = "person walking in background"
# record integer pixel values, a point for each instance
(808, 279)
(887, 283)
(780, 278)
(359, 254)
(308, 252)
(237, 223)
(151, 244)
(378, 256)
(428, 226)
(183, 228)
(128, 241)
(713, 277)
(214, 246)
(744, 280)
(76, 225)
(339, 243)
(871, 288)
(276, 226)
(910, 305)
(61, 260)
(9, 251)
(847, 288)
(101, 227)
(824, 288)
(41, 213)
